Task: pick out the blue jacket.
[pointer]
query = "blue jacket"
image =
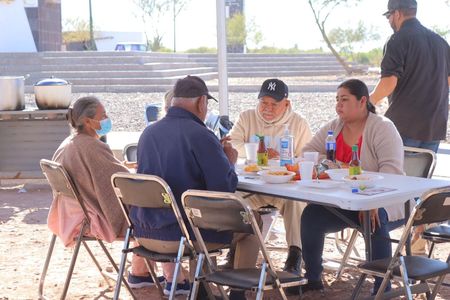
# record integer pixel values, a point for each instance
(181, 150)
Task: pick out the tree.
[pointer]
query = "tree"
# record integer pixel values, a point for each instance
(152, 12)
(76, 31)
(346, 39)
(236, 33)
(178, 6)
(321, 10)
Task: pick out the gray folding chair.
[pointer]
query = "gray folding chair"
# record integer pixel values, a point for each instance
(130, 152)
(413, 271)
(229, 212)
(417, 162)
(148, 191)
(62, 184)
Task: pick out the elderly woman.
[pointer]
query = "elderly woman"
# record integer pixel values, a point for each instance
(90, 163)
(381, 150)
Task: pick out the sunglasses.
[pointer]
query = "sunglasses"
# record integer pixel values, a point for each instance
(389, 14)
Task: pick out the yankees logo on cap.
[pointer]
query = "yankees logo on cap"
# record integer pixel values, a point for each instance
(274, 88)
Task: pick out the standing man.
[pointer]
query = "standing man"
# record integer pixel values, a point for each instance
(415, 74)
(272, 112)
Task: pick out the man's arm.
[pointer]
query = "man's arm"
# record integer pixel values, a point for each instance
(448, 80)
(384, 88)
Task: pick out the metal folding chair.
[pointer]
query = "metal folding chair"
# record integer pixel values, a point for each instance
(436, 235)
(413, 271)
(130, 152)
(417, 162)
(148, 191)
(151, 113)
(62, 184)
(229, 212)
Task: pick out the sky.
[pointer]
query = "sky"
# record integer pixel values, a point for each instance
(283, 23)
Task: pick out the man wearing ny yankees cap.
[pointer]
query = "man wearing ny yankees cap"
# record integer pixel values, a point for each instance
(273, 110)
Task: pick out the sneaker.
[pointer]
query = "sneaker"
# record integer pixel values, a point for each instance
(137, 282)
(182, 288)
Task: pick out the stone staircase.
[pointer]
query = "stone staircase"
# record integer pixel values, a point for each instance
(157, 72)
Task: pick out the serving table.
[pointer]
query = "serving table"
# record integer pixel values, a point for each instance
(404, 188)
(27, 136)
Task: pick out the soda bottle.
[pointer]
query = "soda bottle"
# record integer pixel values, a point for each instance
(330, 146)
(355, 164)
(262, 156)
(286, 147)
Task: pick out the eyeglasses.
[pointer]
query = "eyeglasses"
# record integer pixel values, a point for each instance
(389, 14)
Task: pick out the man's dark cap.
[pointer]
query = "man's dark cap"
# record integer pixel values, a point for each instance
(274, 88)
(191, 87)
(400, 4)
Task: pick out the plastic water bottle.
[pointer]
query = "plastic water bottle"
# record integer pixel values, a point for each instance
(286, 147)
(330, 146)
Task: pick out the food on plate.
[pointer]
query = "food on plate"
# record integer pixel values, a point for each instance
(279, 173)
(252, 168)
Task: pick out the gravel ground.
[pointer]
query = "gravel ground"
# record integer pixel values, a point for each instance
(127, 109)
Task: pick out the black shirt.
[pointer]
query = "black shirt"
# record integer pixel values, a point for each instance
(420, 59)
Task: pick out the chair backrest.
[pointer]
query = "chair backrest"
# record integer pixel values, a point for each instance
(419, 162)
(225, 126)
(221, 212)
(61, 182)
(130, 152)
(145, 191)
(212, 121)
(151, 113)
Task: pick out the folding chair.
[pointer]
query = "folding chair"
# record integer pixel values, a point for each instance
(434, 207)
(148, 191)
(130, 152)
(436, 235)
(417, 162)
(229, 212)
(62, 184)
(151, 113)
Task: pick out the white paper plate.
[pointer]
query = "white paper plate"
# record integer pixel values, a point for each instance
(363, 180)
(320, 184)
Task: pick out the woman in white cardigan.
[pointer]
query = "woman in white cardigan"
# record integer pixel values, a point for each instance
(381, 150)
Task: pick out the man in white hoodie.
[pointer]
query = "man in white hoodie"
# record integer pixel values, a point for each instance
(272, 112)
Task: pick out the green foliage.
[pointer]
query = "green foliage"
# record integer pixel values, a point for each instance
(236, 31)
(75, 30)
(372, 57)
(274, 50)
(444, 32)
(202, 50)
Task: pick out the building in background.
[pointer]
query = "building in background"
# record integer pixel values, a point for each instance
(44, 17)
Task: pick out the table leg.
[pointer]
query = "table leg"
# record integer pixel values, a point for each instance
(367, 233)
(408, 239)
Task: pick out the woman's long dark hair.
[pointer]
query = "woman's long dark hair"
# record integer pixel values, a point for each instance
(358, 89)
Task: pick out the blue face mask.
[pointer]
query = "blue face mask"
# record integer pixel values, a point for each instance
(105, 127)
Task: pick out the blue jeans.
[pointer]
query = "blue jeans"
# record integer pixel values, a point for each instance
(317, 221)
(432, 145)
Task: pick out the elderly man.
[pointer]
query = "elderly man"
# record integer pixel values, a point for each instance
(272, 112)
(181, 150)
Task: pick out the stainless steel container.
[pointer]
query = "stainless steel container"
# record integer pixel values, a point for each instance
(53, 93)
(12, 92)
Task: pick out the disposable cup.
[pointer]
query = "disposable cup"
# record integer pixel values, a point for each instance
(311, 156)
(306, 169)
(250, 152)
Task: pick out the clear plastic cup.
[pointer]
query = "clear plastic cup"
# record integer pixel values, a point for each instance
(306, 169)
(311, 156)
(250, 152)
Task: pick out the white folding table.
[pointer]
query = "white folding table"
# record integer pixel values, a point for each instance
(406, 187)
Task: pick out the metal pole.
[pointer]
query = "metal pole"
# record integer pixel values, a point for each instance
(91, 28)
(174, 28)
(222, 58)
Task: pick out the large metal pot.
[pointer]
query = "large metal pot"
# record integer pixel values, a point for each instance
(53, 93)
(12, 92)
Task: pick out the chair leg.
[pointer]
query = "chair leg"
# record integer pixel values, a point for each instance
(46, 264)
(262, 282)
(113, 263)
(198, 269)
(123, 260)
(405, 278)
(437, 287)
(348, 251)
(177, 268)
(358, 286)
(97, 264)
(73, 261)
(430, 252)
(155, 277)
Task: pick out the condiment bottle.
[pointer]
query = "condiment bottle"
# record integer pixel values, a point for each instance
(262, 156)
(355, 165)
(330, 146)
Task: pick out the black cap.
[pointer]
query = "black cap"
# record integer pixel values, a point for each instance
(274, 88)
(191, 87)
(399, 4)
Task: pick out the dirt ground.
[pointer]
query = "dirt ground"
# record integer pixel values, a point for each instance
(25, 239)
